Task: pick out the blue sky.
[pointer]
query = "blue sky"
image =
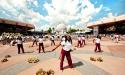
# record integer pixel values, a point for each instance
(50, 13)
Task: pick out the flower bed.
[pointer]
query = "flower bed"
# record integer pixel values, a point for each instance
(43, 72)
(5, 59)
(33, 60)
(99, 59)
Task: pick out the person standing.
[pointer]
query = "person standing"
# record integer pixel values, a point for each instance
(62, 39)
(52, 40)
(66, 47)
(40, 40)
(83, 40)
(1, 38)
(117, 38)
(97, 44)
(12, 42)
(79, 44)
(34, 41)
(20, 45)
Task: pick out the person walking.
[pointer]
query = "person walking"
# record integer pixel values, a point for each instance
(97, 44)
(34, 41)
(20, 45)
(65, 52)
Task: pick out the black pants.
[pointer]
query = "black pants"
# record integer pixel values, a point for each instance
(34, 42)
(52, 42)
(20, 46)
(41, 45)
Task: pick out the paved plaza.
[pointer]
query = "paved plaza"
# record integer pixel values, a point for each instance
(113, 56)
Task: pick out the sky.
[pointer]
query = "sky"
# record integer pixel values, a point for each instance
(50, 13)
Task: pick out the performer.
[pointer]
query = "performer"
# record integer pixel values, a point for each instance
(83, 40)
(20, 45)
(117, 38)
(79, 44)
(67, 44)
(62, 39)
(52, 40)
(40, 40)
(12, 42)
(97, 44)
(34, 41)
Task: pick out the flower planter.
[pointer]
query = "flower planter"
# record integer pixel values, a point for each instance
(33, 60)
(43, 72)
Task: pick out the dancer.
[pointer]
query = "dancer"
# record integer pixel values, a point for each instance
(117, 38)
(34, 41)
(52, 40)
(79, 44)
(83, 41)
(62, 39)
(67, 44)
(40, 40)
(12, 42)
(97, 44)
(20, 45)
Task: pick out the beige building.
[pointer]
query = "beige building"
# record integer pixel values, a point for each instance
(14, 26)
(108, 25)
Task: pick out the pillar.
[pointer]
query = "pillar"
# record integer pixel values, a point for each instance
(96, 30)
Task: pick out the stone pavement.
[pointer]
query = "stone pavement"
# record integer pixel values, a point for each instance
(83, 66)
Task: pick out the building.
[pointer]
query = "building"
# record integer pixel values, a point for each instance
(61, 29)
(14, 26)
(108, 25)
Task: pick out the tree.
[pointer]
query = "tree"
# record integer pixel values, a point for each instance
(49, 31)
(71, 30)
(81, 30)
(42, 30)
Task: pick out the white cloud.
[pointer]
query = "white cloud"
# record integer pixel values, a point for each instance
(106, 8)
(59, 12)
(109, 15)
(35, 3)
(20, 10)
(63, 11)
(44, 27)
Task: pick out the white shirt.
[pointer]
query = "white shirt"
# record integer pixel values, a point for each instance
(11, 43)
(40, 40)
(19, 41)
(66, 45)
(1, 37)
(79, 38)
(33, 38)
(97, 40)
(52, 38)
(117, 36)
(83, 38)
(63, 39)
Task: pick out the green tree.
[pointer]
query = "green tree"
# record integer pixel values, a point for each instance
(82, 30)
(71, 30)
(49, 31)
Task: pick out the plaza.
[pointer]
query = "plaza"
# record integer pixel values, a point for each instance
(62, 37)
(112, 55)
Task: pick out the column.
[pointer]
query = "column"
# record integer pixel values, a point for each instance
(96, 30)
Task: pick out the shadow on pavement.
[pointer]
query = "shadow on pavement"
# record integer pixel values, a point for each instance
(77, 64)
